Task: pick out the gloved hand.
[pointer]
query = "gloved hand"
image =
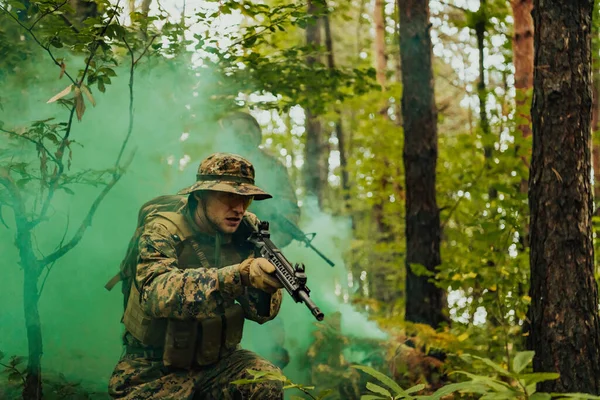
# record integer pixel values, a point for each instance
(256, 272)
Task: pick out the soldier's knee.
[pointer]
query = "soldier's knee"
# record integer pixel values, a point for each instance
(269, 390)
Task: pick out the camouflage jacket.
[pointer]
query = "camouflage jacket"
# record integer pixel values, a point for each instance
(167, 291)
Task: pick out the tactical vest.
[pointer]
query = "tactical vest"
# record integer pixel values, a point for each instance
(189, 343)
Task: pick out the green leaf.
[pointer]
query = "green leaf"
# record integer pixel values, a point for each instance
(495, 384)
(378, 389)
(492, 364)
(242, 381)
(386, 380)
(324, 393)
(469, 387)
(540, 396)
(372, 397)
(537, 377)
(575, 396)
(1, 355)
(521, 360)
(415, 389)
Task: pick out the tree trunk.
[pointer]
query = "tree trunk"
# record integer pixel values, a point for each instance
(33, 381)
(596, 106)
(379, 43)
(425, 303)
(339, 131)
(313, 159)
(32, 389)
(564, 308)
(480, 26)
(523, 62)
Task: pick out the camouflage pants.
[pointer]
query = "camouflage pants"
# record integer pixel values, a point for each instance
(136, 378)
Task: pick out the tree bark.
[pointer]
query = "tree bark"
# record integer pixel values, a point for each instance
(425, 303)
(379, 43)
(596, 107)
(480, 28)
(313, 159)
(564, 308)
(523, 62)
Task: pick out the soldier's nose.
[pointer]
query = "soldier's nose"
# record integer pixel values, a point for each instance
(239, 207)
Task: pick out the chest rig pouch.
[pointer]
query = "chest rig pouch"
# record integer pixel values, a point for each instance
(189, 343)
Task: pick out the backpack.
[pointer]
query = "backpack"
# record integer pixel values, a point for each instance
(166, 203)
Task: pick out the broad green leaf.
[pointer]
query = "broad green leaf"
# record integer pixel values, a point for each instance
(242, 381)
(492, 364)
(529, 379)
(378, 389)
(468, 387)
(372, 397)
(415, 389)
(575, 396)
(386, 380)
(521, 360)
(495, 384)
(324, 393)
(540, 396)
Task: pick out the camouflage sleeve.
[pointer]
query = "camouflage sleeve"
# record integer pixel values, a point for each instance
(260, 306)
(169, 292)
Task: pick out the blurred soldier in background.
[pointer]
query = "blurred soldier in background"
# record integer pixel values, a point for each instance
(240, 133)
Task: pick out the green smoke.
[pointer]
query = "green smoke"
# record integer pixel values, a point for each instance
(80, 319)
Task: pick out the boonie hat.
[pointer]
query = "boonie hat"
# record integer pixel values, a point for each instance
(225, 172)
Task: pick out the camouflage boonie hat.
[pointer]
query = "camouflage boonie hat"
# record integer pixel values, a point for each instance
(224, 172)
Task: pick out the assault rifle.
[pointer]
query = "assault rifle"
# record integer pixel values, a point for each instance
(305, 238)
(292, 278)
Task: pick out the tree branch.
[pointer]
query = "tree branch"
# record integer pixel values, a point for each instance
(45, 14)
(37, 41)
(18, 205)
(86, 223)
(97, 43)
(15, 134)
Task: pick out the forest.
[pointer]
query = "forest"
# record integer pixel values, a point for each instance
(443, 154)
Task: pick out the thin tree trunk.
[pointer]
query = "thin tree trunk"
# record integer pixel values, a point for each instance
(313, 175)
(480, 28)
(564, 309)
(339, 131)
(523, 62)
(379, 43)
(32, 390)
(425, 302)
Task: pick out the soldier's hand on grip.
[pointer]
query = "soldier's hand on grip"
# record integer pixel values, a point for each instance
(256, 272)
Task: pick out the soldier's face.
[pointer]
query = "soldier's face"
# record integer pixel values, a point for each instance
(225, 210)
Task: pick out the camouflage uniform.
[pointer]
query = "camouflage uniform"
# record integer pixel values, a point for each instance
(174, 285)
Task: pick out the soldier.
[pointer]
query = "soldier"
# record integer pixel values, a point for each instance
(193, 284)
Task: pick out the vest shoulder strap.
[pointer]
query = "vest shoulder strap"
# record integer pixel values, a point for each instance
(176, 224)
